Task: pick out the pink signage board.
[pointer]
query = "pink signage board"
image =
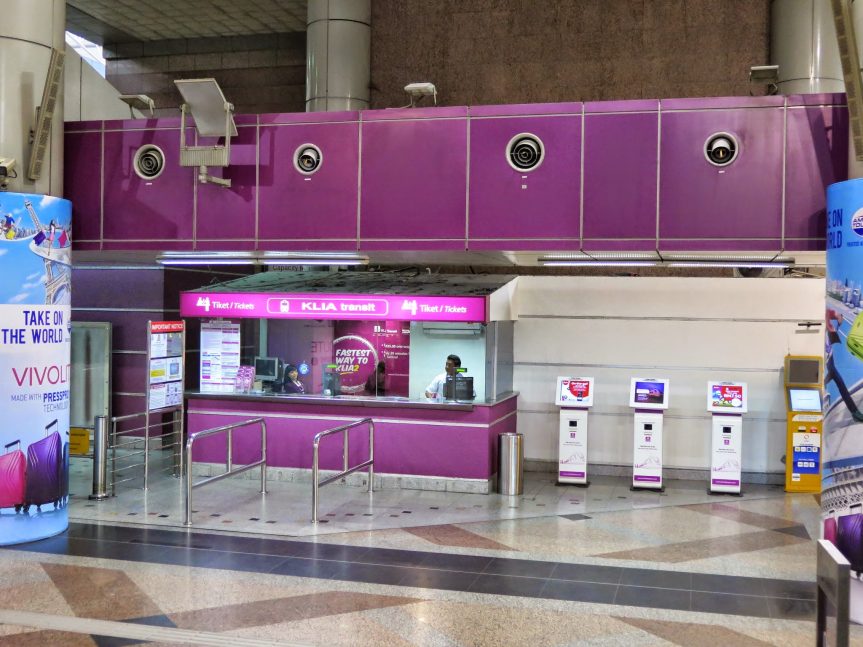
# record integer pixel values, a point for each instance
(257, 305)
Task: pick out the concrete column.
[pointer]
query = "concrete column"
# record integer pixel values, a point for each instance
(29, 29)
(338, 46)
(803, 45)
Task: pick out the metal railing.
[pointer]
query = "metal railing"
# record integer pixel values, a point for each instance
(113, 441)
(344, 429)
(230, 460)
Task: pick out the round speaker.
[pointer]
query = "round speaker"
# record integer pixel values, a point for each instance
(721, 149)
(149, 162)
(308, 159)
(525, 152)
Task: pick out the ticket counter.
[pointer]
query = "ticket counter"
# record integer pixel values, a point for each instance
(307, 358)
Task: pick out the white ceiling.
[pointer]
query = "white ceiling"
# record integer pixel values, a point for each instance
(160, 19)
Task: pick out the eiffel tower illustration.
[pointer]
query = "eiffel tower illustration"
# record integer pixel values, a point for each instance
(54, 282)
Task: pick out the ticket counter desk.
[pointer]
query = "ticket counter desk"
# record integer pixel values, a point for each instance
(418, 445)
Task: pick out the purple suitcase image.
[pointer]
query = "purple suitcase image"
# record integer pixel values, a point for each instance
(64, 473)
(849, 539)
(13, 467)
(43, 470)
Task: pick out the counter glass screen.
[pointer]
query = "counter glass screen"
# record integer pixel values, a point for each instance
(805, 399)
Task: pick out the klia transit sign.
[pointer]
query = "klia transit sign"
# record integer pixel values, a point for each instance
(258, 305)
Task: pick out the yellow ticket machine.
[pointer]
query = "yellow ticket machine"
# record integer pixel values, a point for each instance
(803, 380)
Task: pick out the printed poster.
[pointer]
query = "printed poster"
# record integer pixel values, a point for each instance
(35, 343)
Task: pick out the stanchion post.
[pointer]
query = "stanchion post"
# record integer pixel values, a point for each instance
(100, 459)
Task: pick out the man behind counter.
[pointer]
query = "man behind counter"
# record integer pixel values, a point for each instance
(434, 391)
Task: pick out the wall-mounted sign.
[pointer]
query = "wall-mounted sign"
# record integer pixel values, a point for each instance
(333, 306)
(220, 356)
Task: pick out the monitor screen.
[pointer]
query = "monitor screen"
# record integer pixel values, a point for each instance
(648, 393)
(726, 397)
(803, 371)
(574, 392)
(805, 399)
(267, 369)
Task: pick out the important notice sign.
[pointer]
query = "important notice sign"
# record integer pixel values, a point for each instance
(333, 306)
(165, 374)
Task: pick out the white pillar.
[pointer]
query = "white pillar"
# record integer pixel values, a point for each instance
(803, 45)
(29, 29)
(338, 58)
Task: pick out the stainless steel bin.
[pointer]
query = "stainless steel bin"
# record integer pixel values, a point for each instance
(510, 473)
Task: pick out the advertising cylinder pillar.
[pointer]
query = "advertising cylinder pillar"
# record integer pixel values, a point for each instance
(842, 474)
(29, 30)
(35, 343)
(338, 55)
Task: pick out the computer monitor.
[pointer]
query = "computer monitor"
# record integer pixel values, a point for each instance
(648, 393)
(267, 369)
(458, 388)
(804, 399)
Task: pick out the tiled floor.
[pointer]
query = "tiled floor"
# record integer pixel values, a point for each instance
(558, 566)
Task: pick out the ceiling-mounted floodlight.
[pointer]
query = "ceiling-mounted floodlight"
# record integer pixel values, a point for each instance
(214, 117)
(416, 91)
(764, 75)
(138, 102)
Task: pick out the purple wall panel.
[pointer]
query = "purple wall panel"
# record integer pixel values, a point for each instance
(137, 288)
(414, 182)
(147, 210)
(699, 201)
(228, 214)
(817, 143)
(297, 210)
(514, 206)
(620, 169)
(83, 159)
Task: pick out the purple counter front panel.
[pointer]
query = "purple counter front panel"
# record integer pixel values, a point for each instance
(536, 209)
(414, 179)
(333, 306)
(740, 202)
(299, 212)
(620, 173)
(225, 216)
(419, 442)
(146, 212)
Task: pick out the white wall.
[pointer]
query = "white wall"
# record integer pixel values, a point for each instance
(689, 330)
(88, 96)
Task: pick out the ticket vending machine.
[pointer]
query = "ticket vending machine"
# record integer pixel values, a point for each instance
(727, 401)
(803, 380)
(649, 398)
(574, 396)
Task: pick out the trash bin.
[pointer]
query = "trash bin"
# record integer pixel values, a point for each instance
(510, 473)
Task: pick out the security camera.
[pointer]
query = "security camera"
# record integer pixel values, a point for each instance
(7, 166)
(720, 149)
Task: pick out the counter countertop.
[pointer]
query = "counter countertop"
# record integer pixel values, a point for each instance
(351, 400)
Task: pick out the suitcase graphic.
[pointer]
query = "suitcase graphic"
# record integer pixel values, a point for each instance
(830, 530)
(64, 473)
(13, 467)
(849, 539)
(43, 470)
(855, 337)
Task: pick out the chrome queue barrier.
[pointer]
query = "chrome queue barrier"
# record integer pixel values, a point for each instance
(344, 429)
(228, 429)
(834, 588)
(100, 459)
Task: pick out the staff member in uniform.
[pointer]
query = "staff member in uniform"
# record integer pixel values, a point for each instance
(434, 391)
(292, 380)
